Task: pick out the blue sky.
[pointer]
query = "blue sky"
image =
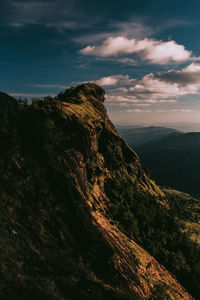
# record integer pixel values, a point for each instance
(144, 53)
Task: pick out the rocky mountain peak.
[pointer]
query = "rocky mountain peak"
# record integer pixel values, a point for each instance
(77, 207)
(83, 92)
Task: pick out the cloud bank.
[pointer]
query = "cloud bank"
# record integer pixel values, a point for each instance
(161, 88)
(154, 51)
(115, 80)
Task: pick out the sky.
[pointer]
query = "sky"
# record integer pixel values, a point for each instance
(145, 54)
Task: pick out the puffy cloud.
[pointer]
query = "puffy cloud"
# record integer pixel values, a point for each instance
(113, 98)
(186, 76)
(114, 80)
(154, 51)
(169, 84)
(107, 81)
(154, 101)
(123, 98)
(127, 60)
(151, 87)
(157, 89)
(159, 110)
(137, 110)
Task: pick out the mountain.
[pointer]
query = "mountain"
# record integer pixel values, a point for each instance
(174, 161)
(136, 137)
(80, 218)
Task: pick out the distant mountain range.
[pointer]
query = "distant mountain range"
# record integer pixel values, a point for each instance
(183, 127)
(172, 157)
(141, 135)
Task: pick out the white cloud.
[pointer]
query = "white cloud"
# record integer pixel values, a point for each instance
(154, 101)
(154, 51)
(163, 88)
(137, 110)
(142, 104)
(158, 110)
(151, 87)
(128, 60)
(168, 84)
(112, 80)
(187, 76)
(107, 81)
(120, 98)
(115, 80)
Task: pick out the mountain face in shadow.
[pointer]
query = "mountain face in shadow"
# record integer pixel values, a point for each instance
(80, 218)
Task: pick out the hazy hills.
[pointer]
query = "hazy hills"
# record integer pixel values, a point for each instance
(80, 218)
(171, 157)
(138, 136)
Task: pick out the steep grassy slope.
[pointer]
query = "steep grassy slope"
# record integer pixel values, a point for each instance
(189, 213)
(74, 202)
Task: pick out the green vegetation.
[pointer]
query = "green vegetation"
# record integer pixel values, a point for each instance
(81, 93)
(157, 229)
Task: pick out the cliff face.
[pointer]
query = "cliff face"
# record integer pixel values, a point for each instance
(65, 177)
